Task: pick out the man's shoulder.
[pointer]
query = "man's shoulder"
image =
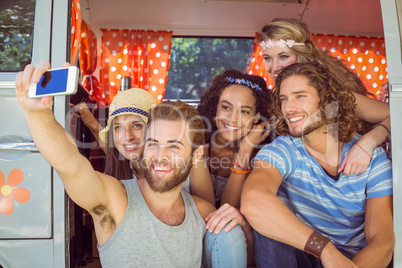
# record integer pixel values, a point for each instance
(280, 140)
(282, 144)
(284, 153)
(378, 151)
(203, 206)
(283, 139)
(132, 181)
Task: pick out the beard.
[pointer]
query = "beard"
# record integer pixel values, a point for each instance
(328, 119)
(180, 174)
(313, 123)
(308, 129)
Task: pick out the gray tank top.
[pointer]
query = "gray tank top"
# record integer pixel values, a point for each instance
(142, 240)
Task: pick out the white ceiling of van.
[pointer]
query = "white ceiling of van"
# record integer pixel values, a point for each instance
(233, 18)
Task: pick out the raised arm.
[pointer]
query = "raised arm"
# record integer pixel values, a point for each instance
(231, 193)
(269, 216)
(91, 123)
(371, 111)
(200, 181)
(378, 231)
(86, 187)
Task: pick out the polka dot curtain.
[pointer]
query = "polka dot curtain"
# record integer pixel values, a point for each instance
(143, 55)
(75, 29)
(257, 64)
(88, 60)
(364, 55)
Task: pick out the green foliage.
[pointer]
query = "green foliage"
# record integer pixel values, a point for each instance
(194, 62)
(16, 28)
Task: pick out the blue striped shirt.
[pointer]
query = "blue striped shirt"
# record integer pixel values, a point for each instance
(336, 209)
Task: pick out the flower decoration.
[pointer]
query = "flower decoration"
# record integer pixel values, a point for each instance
(270, 43)
(280, 43)
(243, 82)
(8, 190)
(290, 43)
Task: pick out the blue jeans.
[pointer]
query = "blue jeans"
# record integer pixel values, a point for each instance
(271, 253)
(226, 249)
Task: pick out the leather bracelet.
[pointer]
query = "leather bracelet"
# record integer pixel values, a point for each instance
(315, 244)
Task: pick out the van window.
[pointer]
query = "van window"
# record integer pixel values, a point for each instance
(16, 31)
(195, 61)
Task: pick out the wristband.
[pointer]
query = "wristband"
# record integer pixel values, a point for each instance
(363, 150)
(389, 132)
(315, 244)
(243, 170)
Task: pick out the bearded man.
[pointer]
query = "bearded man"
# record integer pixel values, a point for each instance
(306, 213)
(146, 222)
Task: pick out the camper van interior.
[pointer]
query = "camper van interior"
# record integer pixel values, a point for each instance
(199, 23)
(172, 49)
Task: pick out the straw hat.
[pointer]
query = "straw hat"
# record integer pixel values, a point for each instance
(134, 101)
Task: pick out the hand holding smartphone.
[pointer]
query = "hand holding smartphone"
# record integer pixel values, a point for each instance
(54, 82)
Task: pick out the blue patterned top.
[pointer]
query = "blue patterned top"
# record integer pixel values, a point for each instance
(334, 208)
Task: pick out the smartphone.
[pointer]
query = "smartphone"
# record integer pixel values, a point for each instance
(60, 81)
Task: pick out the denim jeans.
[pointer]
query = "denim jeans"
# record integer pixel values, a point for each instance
(271, 254)
(226, 249)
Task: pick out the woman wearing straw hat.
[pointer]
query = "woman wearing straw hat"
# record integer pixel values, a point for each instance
(123, 137)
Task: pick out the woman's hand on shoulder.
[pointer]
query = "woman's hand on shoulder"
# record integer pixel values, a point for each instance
(356, 160)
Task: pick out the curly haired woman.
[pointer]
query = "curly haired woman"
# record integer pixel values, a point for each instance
(236, 111)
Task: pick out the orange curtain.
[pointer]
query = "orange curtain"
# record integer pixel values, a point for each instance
(257, 64)
(364, 55)
(143, 55)
(75, 29)
(88, 57)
